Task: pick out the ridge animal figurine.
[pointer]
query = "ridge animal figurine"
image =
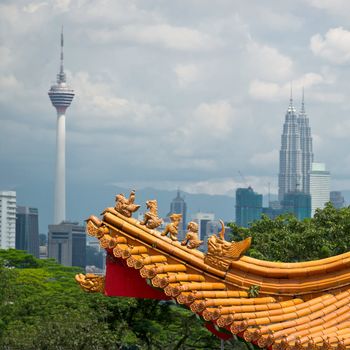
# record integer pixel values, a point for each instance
(192, 241)
(218, 246)
(173, 227)
(126, 206)
(151, 219)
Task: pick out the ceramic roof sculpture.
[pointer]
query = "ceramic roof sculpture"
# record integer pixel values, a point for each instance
(274, 305)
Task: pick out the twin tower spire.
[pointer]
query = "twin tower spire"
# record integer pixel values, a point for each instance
(296, 155)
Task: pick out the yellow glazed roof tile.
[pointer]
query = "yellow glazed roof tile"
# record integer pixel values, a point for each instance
(295, 306)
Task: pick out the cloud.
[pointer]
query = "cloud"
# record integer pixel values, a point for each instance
(6, 57)
(217, 117)
(163, 35)
(269, 158)
(272, 91)
(334, 46)
(213, 186)
(267, 62)
(101, 109)
(9, 87)
(280, 20)
(34, 6)
(186, 74)
(338, 7)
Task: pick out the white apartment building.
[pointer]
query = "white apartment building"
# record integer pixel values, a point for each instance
(7, 219)
(320, 180)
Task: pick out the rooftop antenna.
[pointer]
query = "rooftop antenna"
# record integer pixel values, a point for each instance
(61, 76)
(302, 103)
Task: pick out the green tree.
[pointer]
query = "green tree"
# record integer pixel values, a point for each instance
(288, 239)
(42, 307)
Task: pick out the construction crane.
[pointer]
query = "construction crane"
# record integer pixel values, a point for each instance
(243, 179)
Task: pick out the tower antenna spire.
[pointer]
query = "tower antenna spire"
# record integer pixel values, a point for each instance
(61, 76)
(302, 102)
(62, 44)
(291, 94)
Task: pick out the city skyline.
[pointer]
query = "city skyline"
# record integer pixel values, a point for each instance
(209, 87)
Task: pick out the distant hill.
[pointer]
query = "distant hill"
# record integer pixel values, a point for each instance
(82, 201)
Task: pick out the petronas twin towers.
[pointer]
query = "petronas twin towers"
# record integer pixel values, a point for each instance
(296, 154)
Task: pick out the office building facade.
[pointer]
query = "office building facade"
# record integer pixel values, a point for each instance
(27, 230)
(7, 219)
(67, 244)
(319, 186)
(178, 206)
(248, 206)
(203, 219)
(296, 154)
(297, 203)
(337, 199)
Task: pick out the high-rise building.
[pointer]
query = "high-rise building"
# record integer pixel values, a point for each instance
(27, 230)
(67, 243)
(178, 206)
(202, 219)
(7, 219)
(290, 172)
(248, 206)
(307, 155)
(61, 97)
(297, 203)
(319, 186)
(337, 199)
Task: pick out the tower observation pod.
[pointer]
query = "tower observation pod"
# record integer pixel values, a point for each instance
(61, 96)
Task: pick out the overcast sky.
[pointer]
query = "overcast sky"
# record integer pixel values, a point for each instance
(172, 93)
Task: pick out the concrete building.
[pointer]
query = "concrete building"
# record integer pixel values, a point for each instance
(307, 155)
(67, 244)
(337, 199)
(202, 219)
(248, 206)
(297, 203)
(296, 153)
(319, 186)
(178, 206)
(27, 230)
(7, 219)
(61, 97)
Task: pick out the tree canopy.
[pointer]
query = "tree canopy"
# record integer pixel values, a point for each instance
(42, 307)
(288, 239)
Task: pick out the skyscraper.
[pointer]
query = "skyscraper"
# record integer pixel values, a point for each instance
(27, 230)
(307, 156)
(337, 199)
(248, 206)
(178, 206)
(290, 172)
(61, 97)
(319, 186)
(297, 203)
(67, 244)
(202, 219)
(296, 155)
(7, 219)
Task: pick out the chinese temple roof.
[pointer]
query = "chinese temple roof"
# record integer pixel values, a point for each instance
(274, 305)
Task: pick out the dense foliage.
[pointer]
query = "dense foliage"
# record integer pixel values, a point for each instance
(288, 239)
(42, 307)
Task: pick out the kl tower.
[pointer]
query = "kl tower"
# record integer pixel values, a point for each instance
(61, 97)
